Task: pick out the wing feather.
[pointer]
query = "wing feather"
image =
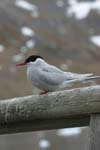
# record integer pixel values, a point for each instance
(52, 75)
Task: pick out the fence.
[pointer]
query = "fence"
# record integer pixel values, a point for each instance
(71, 108)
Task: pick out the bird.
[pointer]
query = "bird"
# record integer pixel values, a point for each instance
(50, 78)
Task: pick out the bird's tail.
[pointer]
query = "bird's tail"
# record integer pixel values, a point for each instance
(85, 79)
(88, 78)
(82, 79)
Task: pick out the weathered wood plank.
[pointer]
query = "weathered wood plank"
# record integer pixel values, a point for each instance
(95, 132)
(54, 110)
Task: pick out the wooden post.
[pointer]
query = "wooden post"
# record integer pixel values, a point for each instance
(95, 132)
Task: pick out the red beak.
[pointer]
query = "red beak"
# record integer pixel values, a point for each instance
(22, 64)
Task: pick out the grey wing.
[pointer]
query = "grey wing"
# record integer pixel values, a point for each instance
(51, 68)
(66, 75)
(52, 75)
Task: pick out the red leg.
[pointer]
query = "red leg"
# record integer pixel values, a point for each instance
(44, 92)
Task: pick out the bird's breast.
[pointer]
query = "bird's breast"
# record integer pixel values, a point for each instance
(34, 76)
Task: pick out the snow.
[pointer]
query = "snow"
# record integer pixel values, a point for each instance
(60, 3)
(64, 66)
(72, 2)
(27, 31)
(18, 57)
(25, 5)
(30, 44)
(95, 40)
(23, 49)
(1, 48)
(35, 14)
(68, 131)
(43, 143)
(29, 7)
(81, 9)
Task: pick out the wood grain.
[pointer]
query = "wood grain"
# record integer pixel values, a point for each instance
(61, 109)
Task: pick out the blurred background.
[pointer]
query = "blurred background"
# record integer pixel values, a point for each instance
(66, 33)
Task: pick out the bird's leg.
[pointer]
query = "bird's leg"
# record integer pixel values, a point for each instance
(44, 92)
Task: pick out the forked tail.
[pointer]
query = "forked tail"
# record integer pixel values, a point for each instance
(84, 79)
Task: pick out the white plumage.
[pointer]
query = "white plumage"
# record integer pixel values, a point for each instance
(50, 78)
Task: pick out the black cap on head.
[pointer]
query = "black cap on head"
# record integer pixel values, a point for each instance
(32, 58)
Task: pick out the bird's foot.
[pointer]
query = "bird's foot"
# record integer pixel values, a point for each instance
(44, 92)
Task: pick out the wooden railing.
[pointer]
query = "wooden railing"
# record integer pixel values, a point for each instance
(70, 108)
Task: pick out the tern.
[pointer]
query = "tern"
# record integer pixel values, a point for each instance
(49, 78)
